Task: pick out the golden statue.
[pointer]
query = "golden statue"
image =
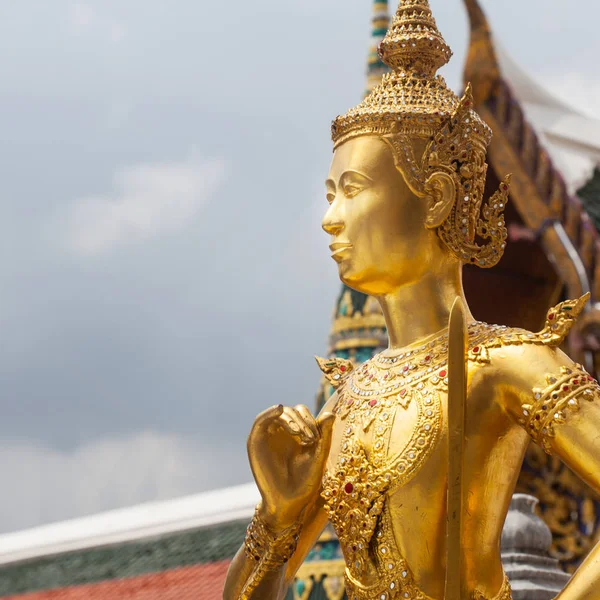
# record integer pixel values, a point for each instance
(415, 458)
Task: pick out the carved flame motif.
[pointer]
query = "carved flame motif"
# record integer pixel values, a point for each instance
(354, 497)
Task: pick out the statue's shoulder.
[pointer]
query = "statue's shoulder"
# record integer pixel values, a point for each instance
(540, 386)
(336, 370)
(559, 322)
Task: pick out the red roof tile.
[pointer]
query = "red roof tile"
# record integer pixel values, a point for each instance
(201, 582)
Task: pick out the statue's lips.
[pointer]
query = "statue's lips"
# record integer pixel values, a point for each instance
(338, 249)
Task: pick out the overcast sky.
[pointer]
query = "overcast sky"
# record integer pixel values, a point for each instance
(163, 272)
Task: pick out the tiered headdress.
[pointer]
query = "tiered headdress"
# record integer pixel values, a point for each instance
(412, 103)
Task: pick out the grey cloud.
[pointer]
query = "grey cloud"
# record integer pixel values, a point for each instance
(191, 333)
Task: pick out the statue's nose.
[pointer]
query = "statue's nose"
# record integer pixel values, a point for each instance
(332, 228)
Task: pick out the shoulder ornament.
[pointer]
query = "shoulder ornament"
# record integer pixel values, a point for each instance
(551, 405)
(559, 321)
(335, 369)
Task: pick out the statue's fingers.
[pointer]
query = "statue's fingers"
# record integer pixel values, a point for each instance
(293, 424)
(299, 419)
(309, 420)
(268, 416)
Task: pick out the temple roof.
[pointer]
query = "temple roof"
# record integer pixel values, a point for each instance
(571, 138)
(179, 548)
(136, 523)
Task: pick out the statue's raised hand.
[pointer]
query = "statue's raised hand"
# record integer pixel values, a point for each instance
(288, 448)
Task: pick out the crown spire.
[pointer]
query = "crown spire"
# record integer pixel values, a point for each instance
(410, 98)
(413, 42)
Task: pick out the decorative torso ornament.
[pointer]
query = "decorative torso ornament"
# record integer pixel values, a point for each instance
(415, 457)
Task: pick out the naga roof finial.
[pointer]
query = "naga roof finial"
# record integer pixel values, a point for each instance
(481, 67)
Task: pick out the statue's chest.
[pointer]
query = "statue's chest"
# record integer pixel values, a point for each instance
(386, 433)
(389, 424)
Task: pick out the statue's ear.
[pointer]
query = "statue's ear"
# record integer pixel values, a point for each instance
(440, 194)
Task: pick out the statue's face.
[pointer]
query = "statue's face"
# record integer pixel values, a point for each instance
(377, 225)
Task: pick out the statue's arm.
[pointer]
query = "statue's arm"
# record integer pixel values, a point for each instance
(558, 404)
(287, 448)
(274, 582)
(577, 443)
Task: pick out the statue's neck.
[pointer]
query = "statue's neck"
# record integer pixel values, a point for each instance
(422, 308)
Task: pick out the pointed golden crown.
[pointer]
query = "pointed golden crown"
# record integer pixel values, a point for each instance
(410, 99)
(413, 102)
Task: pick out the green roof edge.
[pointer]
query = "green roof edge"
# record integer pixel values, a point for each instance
(129, 559)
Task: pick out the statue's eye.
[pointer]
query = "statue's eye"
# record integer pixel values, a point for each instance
(351, 190)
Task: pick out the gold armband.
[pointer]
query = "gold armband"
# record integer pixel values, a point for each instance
(551, 405)
(269, 550)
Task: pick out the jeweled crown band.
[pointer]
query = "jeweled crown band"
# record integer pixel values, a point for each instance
(402, 104)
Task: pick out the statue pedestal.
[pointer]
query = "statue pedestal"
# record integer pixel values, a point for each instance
(525, 547)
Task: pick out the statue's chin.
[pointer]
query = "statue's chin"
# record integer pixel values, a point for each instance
(352, 281)
(371, 283)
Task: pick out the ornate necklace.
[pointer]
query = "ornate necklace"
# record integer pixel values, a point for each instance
(388, 381)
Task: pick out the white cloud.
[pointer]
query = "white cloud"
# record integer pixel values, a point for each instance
(147, 200)
(42, 485)
(84, 19)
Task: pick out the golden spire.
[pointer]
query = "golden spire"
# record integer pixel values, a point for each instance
(414, 43)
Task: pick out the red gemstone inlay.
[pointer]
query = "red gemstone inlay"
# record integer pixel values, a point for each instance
(350, 401)
(590, 378)
(428, 357)
(348, 488)
(342, 368)
(575, 381)
(373, 402)
(405, 368)
(476, 349)
(443, 373)
(565, 388)
(403, 393)
(551, 317)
